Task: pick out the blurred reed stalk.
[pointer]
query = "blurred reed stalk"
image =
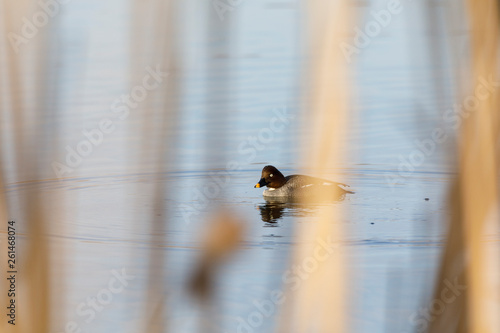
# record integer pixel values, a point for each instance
(153, 44)
(24, 124)
(320, 303)
(474, 195)
(223, 231)
(3, 264)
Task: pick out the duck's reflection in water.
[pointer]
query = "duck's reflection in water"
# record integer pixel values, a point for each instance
(274, 209)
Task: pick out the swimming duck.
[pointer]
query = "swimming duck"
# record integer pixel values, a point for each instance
(294, 186)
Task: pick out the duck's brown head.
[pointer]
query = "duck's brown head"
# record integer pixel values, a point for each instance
(271, 177)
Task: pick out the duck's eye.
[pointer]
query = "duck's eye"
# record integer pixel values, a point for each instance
(270, 175)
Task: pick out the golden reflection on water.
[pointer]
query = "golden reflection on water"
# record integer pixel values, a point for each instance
(274, 209)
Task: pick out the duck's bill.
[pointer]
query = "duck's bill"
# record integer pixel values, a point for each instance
(261, 183)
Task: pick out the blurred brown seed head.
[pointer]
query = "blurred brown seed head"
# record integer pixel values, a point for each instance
(221, 239)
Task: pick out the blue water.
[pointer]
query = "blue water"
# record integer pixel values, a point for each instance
(229, 94)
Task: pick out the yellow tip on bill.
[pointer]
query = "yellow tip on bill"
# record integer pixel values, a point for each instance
(257, 185)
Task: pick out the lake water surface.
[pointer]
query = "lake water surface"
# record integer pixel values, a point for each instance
(394, 236)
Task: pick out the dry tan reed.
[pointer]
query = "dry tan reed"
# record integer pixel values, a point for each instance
(26, 107)
(474, 196)
(153, 45)
(320, 304)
